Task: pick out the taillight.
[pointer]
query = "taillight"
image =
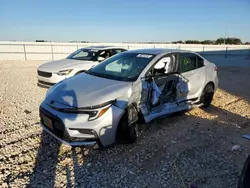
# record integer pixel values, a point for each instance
(215, 68)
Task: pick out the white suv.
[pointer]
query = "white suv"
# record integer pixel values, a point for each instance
(80, 61)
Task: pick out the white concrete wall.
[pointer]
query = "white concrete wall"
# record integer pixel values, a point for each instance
(59, 50)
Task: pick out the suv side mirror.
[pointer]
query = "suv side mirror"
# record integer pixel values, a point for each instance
(100, 59)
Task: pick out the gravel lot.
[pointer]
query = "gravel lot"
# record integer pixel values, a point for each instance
(192, 148)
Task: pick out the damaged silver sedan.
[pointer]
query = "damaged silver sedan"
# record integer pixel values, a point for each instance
(104, 105)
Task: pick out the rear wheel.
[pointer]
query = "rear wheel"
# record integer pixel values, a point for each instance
(207, 95)
(126, 134)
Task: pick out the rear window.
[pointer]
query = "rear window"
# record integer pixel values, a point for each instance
(187, 62)
(200, 62)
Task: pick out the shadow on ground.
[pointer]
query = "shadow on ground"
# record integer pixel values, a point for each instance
(177, 150)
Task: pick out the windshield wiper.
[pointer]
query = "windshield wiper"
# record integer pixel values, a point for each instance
(98, 74)
(89, 72)
(110, 77)
(83, 59)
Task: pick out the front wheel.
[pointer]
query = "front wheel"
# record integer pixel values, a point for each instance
(126, 134)
(207, 95)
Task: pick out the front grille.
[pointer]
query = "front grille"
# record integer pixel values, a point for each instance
(44, 74)
(45, 83)
(58, 127)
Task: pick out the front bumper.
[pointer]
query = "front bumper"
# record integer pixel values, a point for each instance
(73, 143)
(75, 129)
(59, 131)
(50, 81)
(45, 84)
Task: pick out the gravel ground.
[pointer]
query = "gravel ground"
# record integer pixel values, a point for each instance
(191, 148)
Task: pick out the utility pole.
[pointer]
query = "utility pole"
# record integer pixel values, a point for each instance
(225, 36)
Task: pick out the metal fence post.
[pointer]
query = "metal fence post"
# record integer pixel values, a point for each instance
(128, 47)
(52, 52)
(77, 47)
(226, 53)
(249, 53)
(24, 50)
(203, 50)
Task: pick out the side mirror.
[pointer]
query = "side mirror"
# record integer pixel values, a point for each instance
(147, 77)
(100, 59)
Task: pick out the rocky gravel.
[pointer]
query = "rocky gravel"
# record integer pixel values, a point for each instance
(183, 150)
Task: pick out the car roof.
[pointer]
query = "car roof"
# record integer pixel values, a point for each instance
(103, 47)
(156, 51)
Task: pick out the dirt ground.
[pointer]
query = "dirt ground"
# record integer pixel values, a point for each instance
(183, 150)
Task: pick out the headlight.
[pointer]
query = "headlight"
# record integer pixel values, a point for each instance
(94, 112)
(98, 114)
(64, 72)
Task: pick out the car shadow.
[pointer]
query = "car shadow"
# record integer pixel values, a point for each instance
(198, 136)
(195, 133)
(44, 171)
(47, 157)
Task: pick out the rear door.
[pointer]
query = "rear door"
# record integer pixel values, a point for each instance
(191, 67)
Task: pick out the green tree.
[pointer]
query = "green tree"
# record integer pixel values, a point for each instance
(207, 42)
(228, 41)
(178, 42)
(192, 42)
(220, 41)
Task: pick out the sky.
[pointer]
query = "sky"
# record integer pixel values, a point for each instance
(124, 20)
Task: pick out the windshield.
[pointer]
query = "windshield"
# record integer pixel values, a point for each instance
(84, 54)
(123, 67)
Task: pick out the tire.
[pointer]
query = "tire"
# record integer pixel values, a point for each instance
(207, 95)
(126, 134)
(244, 179)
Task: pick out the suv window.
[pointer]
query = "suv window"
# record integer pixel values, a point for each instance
(187, 62)
(105, 54)
(116, 51)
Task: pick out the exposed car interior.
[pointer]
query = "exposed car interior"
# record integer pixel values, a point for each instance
(165, 78)
(108, 53)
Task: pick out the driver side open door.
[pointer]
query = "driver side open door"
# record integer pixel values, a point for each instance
(164, 90)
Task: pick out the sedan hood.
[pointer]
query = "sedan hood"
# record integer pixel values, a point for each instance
(63, 64)
(85, 90)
